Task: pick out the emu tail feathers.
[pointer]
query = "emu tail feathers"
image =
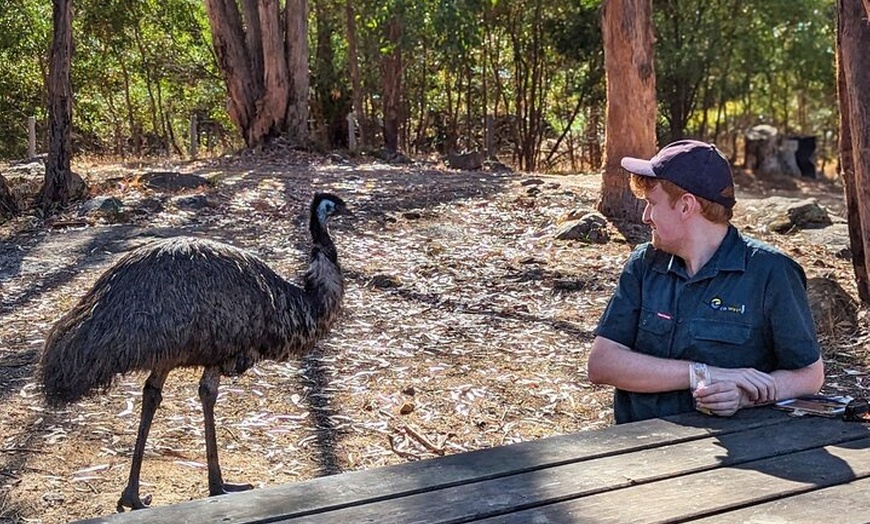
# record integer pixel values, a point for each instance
(72, 366)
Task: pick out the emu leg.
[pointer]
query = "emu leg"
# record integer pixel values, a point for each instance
(208, 391)
(151, 398)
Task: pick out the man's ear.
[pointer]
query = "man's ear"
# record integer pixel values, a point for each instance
(688, 203)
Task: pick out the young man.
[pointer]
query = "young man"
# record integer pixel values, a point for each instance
(703, 317)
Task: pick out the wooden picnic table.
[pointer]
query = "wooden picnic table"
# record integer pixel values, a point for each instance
(760, 466)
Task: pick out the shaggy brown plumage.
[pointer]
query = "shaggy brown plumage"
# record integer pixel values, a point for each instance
(185, 302)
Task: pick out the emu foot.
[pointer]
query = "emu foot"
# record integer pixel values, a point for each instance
(226, 487)
(130, 499)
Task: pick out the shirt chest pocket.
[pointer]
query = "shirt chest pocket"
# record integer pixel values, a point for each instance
(722, 332)
(726, 344)
(653, 333)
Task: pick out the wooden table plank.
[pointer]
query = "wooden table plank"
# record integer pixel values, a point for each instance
(711, 492)
(602, 475)
(354, 488)
(841, 504)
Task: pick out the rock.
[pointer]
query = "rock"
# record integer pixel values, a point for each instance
(192, 202)
(171, 181)
(575, 214)
(383, 281)
(591, 227)
(393, 157)
(783, 215)
(471, 161)
(29, 168)
(104, 206)
(834, 238)
(495, 166)
(151, 205)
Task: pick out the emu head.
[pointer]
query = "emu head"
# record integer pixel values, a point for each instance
(326, 205)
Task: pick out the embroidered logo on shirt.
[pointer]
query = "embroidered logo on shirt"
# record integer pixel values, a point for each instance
(716, 303)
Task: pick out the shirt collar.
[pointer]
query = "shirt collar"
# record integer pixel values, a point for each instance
(729, 256)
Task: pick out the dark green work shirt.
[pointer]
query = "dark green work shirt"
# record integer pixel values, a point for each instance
(747, 307)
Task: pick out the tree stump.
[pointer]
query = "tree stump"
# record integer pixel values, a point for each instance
(761, 152)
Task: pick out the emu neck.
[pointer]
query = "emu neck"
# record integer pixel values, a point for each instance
(321, 240)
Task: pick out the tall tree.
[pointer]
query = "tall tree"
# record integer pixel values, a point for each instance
(296, 16)
(853, 39)
(631, 101)
(265, 66)
(392, 81)
(58, 174)
(353, 65)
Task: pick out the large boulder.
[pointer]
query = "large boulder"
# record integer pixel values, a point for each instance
(785, 215)
(591, 227)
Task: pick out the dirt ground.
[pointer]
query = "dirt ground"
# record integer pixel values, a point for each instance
(466, 325)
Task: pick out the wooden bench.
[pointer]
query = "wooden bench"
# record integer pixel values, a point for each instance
(759, 466)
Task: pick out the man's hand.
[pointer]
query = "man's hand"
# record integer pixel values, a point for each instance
(720, 398)
(759, 387)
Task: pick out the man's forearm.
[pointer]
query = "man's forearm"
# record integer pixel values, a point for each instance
(616, 365)
(798, 382)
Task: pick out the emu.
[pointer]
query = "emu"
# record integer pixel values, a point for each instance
(187, 302)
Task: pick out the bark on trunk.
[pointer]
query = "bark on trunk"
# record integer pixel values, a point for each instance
(392, 70)
(276, 85)
(353, 63)
(58, 177)
(297, 65)
(251, 55)
(853, 38)
(253, 37)
(631, 101)
(228, 39)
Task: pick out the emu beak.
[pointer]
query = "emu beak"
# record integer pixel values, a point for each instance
(343, 210)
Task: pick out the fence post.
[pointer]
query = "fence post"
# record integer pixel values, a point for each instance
(351, 131)
(31, 137)
(194, 138)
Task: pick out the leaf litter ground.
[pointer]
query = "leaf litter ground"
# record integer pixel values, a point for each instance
(466, 325)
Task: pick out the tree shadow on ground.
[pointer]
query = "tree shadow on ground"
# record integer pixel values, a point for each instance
(372, 195)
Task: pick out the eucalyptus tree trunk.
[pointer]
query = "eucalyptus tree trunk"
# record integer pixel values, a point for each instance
(353, 63)
(392, 78)
(631, 101)
(530, 87)
(265, 66)
(853, 39)
(58, 175)
(297, 62)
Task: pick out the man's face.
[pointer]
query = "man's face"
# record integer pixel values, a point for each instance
(664, 219)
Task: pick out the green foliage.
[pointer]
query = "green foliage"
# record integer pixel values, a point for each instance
(25, 30)
(142, 67)
(725, 65)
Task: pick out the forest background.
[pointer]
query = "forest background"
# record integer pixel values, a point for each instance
(459, 299)
(142, 69)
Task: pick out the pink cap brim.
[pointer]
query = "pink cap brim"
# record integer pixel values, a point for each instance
(638, 166)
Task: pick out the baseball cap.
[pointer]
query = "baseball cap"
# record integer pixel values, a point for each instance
(695, 166)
